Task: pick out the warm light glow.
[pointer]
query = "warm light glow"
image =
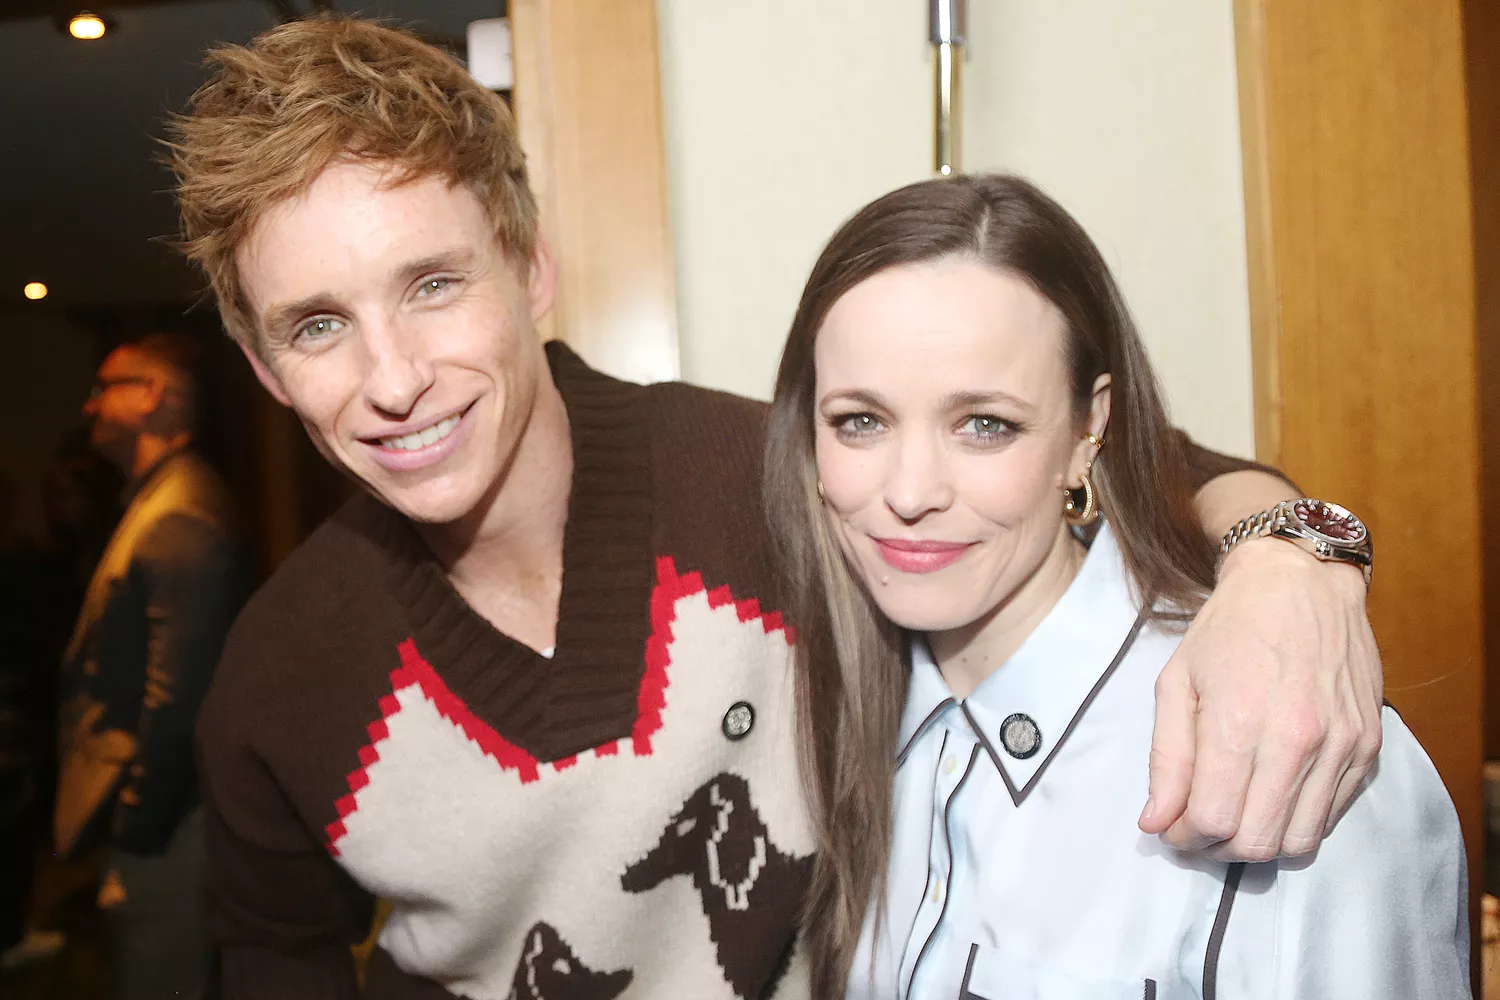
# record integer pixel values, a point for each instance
(35, 290)
(86, 26)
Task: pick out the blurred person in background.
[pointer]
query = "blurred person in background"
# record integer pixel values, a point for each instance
(153, 621)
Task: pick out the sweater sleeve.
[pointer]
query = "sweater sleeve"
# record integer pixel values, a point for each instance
(1205, 465)
(283, 913)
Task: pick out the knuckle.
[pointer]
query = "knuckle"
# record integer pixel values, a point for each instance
(1211, 824)
(1256, 851)
(1303, 733)
(1369, 746)
(1300, 845)
(1342, 744)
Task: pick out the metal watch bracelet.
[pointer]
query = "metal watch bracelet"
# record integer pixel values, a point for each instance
(1255, 526)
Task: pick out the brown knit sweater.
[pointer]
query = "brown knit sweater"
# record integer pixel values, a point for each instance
(623, 819)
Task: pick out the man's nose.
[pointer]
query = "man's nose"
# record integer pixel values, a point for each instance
(399, 370)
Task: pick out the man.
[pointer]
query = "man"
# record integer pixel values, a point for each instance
(532, 687)
(148, 637)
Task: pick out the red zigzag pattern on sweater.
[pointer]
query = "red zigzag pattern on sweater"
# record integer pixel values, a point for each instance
(415, 671)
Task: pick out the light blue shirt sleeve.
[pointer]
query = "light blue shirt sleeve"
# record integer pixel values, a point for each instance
(1379, 912)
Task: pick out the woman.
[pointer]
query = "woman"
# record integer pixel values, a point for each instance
(961, 390)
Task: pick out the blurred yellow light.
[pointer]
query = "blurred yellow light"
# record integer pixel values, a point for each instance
(35, 290)
(86, 26)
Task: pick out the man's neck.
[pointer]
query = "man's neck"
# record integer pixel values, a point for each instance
(150, 451)
(506, 559)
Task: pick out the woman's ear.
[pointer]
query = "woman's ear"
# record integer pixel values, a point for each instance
(1085, 451)
(1099, 406)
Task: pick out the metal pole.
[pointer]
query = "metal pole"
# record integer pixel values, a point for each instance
(949, 24)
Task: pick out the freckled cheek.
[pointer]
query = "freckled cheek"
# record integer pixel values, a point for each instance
(326, 396)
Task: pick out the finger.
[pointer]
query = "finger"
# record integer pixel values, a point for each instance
(1286, 756)
(1353, 779)
(1313, 815)
(1225, 763)
(1171, 760)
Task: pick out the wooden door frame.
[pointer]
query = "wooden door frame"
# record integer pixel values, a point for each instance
(588, 107)
(1359, 227)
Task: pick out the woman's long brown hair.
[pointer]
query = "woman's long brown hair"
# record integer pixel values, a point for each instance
(851, 669)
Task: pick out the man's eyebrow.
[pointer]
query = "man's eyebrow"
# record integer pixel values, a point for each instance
(282, 316)
(456, 258)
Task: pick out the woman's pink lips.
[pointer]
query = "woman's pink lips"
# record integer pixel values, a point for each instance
(912, 556)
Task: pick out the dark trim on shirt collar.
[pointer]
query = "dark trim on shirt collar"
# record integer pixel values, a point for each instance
(1018, 796)
(932, 716)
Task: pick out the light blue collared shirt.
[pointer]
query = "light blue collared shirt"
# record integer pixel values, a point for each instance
(1017, 870)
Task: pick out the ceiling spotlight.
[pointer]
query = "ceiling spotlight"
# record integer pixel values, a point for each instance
(34, 290)
(86, 26)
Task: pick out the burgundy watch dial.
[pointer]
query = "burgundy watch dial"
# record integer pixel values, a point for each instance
(1330, 520)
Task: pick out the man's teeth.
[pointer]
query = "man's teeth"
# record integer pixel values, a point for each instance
(423, 438)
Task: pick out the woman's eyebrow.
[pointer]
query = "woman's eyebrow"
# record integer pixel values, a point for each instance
(864, 397)
(959, 400)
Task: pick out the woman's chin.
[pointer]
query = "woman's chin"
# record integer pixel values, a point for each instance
(922, 614)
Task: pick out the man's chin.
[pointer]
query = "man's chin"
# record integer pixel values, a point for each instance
(421, 507)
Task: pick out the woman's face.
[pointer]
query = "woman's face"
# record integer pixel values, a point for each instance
(946, 432)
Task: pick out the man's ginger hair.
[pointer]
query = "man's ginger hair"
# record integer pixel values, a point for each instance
(275, 113)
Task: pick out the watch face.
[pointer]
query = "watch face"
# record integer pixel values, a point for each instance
(1330, 521)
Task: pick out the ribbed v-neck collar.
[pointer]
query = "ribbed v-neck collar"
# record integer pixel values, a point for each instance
(586, 693)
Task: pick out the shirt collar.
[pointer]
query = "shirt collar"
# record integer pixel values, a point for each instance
(1049, 679)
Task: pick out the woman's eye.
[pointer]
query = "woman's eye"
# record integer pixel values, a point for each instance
(319, 329)
(857, 424)
(987, 428)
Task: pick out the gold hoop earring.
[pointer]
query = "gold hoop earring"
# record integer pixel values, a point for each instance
(820, 490)
(1086, 513)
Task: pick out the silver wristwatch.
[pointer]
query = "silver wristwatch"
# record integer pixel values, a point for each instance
(1326, 530)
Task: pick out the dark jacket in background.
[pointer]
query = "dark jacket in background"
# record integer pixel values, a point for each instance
(149, 634)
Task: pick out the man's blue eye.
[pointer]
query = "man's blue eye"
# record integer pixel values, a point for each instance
(319, 328)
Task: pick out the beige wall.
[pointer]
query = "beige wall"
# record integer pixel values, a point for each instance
(784, 116)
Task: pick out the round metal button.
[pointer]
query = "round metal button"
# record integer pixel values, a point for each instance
(1020, 736)
(739, 720)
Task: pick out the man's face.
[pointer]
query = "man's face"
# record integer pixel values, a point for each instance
(126, 391)
(400, 332)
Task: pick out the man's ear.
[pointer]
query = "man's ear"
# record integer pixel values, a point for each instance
(1099, 406)
(541, 282)
(156, 390)
(267, 377)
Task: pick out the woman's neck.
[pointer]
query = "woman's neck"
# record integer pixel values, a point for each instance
(966, 656)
